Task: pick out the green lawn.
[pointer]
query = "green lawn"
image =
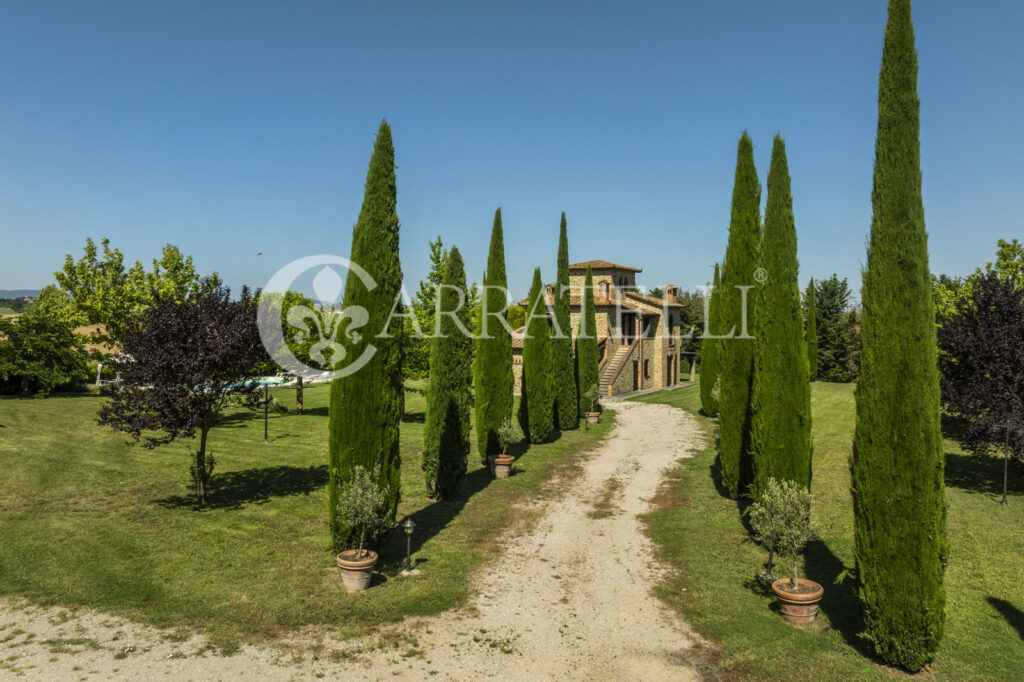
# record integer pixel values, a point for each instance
(89, 521)
(701, 534)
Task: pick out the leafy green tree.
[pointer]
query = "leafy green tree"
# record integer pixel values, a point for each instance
(99, 289)
(39, 354)
(298, 336)
(181, 366)
(587, 363)
(780, 440)
(492, 372)
(711, 349)
(897, 465)
(416, 358)
(446, 436)
(737, 356)
(811, 334)
(951, 293)
(365, 408)
(563, 364)
(536, 405)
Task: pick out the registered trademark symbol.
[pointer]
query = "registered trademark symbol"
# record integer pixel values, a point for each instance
(761, 275)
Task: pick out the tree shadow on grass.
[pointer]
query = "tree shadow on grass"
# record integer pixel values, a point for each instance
(235, 489)
(983, 474)
(433, 518)
(840, 600)
(1013, 615)
(414, 417)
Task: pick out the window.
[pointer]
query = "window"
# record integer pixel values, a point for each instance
(647, 369)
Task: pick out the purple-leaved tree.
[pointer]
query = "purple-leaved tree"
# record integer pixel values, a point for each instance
(183, 366)
(981, 359)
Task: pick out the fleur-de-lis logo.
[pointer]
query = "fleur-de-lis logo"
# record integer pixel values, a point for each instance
(323, 324)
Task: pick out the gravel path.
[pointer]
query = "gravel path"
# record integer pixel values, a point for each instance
(571, 599)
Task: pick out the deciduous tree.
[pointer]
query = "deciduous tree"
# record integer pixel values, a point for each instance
(981, 360)
(183, 364)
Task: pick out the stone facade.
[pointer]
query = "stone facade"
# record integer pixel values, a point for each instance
(624, 315)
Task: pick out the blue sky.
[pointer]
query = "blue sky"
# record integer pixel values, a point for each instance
(230, 128)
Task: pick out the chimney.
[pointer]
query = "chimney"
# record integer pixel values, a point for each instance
(549, 292)
(671, 292)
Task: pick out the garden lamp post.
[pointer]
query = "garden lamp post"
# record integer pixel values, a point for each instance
(408, 525)
(1006, 457)
(266, 409)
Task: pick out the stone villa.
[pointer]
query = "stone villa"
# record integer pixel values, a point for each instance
(638, 335)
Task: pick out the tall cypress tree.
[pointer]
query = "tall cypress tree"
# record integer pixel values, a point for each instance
(446, 435)
(536, 408)
(711, 350)
(492, 372)
(897, 466)
(566, 401)
(587, 363)
(812, 334)
(737, 354)
(365, 406)
(780, 441)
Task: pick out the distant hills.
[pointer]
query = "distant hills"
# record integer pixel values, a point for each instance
(18, 293)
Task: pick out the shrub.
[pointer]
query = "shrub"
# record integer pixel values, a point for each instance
(782, 520)
(363, 505)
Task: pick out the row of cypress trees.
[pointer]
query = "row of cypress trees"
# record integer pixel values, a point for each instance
(760, 376)
(555, 380)
(897, 476)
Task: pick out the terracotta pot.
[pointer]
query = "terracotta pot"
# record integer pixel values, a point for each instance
(503, 466)
(356, 573)
(799, 608)
(593, 417)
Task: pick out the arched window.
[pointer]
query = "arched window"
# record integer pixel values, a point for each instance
(647, 369)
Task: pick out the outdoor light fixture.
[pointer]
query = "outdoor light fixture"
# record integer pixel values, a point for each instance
(408, 525)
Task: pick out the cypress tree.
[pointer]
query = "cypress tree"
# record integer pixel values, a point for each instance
(446, 435)
(897, 465)
(587, 362)
(812, 334)
(365, 408)
(536, 409)
(711, 351)
(566, 400)
(492, 372)
(737, 353)
(780, 441)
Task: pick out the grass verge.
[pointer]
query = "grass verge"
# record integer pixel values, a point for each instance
(88, 521)
(701, 534)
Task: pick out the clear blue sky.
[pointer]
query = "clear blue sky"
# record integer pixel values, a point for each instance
(229, 128)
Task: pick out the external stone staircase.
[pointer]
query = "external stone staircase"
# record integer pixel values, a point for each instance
(611, 368)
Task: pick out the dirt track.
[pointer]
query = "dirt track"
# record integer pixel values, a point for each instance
(571, 599)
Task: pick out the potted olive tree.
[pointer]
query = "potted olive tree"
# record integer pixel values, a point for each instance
(593, 399)
(508, 434)
(783, 517)
(361, 505)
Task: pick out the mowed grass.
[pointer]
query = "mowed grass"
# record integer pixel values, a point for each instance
(88, 521)
(702, 535)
